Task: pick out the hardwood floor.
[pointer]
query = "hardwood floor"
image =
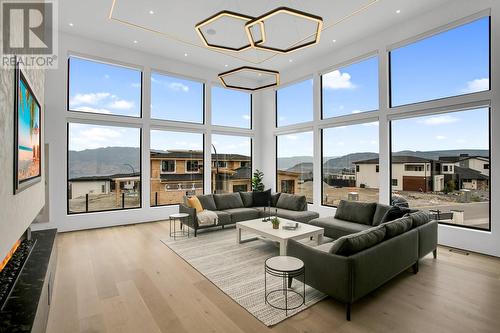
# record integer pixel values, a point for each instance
(123, 279)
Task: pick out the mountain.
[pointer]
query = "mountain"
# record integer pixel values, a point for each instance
(434, 155)
(103, 161)
(302, 167)
(285, 163)
(345, 162)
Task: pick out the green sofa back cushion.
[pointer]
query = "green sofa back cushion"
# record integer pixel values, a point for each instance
(247, 198)
(274, 199)
(228, 201)
(419, 218)
(292, 202)
(207, 201)
(397, 227)
(358, 212)
(354, 243)
(380, 211)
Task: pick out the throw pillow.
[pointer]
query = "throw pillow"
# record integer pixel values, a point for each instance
(228, 201)
(195, 203)
(274, 199)
(261, 199)
(419, 218)
(207, 201)
(247, 198)
(292, 202)
(380, 212)
(397, 227)
(395, 213)
(359, 212)
(354, 243)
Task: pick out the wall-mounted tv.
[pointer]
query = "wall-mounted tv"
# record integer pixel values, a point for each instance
(27, 134)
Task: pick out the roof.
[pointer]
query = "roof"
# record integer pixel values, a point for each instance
(454, 159)
(197, 154)
(105, 178)
(468, 173)
(397, 159)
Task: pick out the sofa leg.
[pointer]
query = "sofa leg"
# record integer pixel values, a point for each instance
(195, 230)
(415, 267)
(348, 311)
(290, 280)
(222, 226)
(435, 253)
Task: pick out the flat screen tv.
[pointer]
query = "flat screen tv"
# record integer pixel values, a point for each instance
(27, 134)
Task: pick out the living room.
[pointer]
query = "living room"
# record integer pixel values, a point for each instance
(249, 166)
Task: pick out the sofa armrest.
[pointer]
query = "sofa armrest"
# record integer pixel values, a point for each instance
(192, 214)
(328, 273)
(427, 238)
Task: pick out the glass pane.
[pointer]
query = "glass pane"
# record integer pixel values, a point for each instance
(231, 108)
(446, 171)
(104, 168)
(176, 166)
(350, 164)
(103, 88)
(352, 89)
(451, 63)
(295, 164)
(176, 99)
(294, 104)
(231, 164)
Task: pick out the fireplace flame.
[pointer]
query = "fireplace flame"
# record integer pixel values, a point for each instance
(9, 255)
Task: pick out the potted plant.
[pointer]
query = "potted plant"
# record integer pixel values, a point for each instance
(276, 222)
(257, 184)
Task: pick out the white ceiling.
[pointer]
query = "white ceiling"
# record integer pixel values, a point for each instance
(170, 32)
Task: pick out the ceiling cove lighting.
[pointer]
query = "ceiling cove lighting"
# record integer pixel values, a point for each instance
(223, 77)
(258, 44)
(219, 15)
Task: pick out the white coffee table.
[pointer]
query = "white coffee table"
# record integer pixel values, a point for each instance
(265, 230)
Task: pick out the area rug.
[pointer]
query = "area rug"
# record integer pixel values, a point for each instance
(238, 270)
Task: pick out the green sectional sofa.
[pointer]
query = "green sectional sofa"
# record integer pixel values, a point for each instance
(235, 207)
(365, 255)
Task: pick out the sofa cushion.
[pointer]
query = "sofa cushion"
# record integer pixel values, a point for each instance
(274, 199)
(352, 244)
(247, 198)
(261, 198)
(335, 228)
(325, 247)
(359, 212)
(419, 218)
(397, 227)
(224, 217)
(292, 202)
(303, 216)
(207, 201)
(195, 203)
(228, 201)
(242, 214)
(380, 211)
(394, 213)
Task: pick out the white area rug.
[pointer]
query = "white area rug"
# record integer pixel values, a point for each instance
(238, 270)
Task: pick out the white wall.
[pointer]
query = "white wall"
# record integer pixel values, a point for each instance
(480, 241)
(368, 176)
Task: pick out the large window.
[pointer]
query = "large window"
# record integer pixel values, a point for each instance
(294, 103)
(97, 87)
(352, 89)
(236, 174)
(173, 98)
(294, 164)
(104, 168)
(350, 160)
(438, 166)
(451, 63)
(176, 166)
(231, 108)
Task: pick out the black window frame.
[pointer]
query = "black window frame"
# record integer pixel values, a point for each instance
(167, 163)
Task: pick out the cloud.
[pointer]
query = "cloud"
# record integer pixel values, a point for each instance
(356, 111)
(106, 76)
(439, 120)
(92, 98)
(135, 85)
(121, 104)
(246, 117)
(337, 80)
(84, 137)
(477, 85)
(91, 109)
(177, 86)
(440, 137)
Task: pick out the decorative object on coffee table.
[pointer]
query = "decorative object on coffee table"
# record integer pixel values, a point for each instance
(183, 219)
(275, 222)
(286, 268)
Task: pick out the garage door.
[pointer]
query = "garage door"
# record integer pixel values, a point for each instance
(414, 183)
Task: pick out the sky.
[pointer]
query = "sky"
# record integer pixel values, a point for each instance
(295, 103)
(343, 140)
(85, 136)
(228, 144)
(290, 144)
(231, 108)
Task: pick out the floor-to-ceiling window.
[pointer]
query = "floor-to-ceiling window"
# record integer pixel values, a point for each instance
(231, 108)
(294, 103)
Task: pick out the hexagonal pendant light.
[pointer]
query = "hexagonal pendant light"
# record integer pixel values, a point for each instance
(247, 71)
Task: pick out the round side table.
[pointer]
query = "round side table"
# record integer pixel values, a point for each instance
(183, 219)
(287, 268)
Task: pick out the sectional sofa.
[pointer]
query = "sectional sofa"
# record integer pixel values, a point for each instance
(234, 207)
(370, 247)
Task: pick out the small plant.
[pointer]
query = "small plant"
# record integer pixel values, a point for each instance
(257, 184)
(276, 222)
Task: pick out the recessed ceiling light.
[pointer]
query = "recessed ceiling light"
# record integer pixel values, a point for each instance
(185, 54)
(226, 65)
(135, 42)
(398, 11)
(71, 24)
(334, 41)
(260, 74)
(151, 12)
(290, 60)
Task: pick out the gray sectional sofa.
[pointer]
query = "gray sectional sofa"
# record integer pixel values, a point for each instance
(241, 206)
(370, 248)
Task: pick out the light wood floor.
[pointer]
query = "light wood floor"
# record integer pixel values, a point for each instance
(123, 279)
